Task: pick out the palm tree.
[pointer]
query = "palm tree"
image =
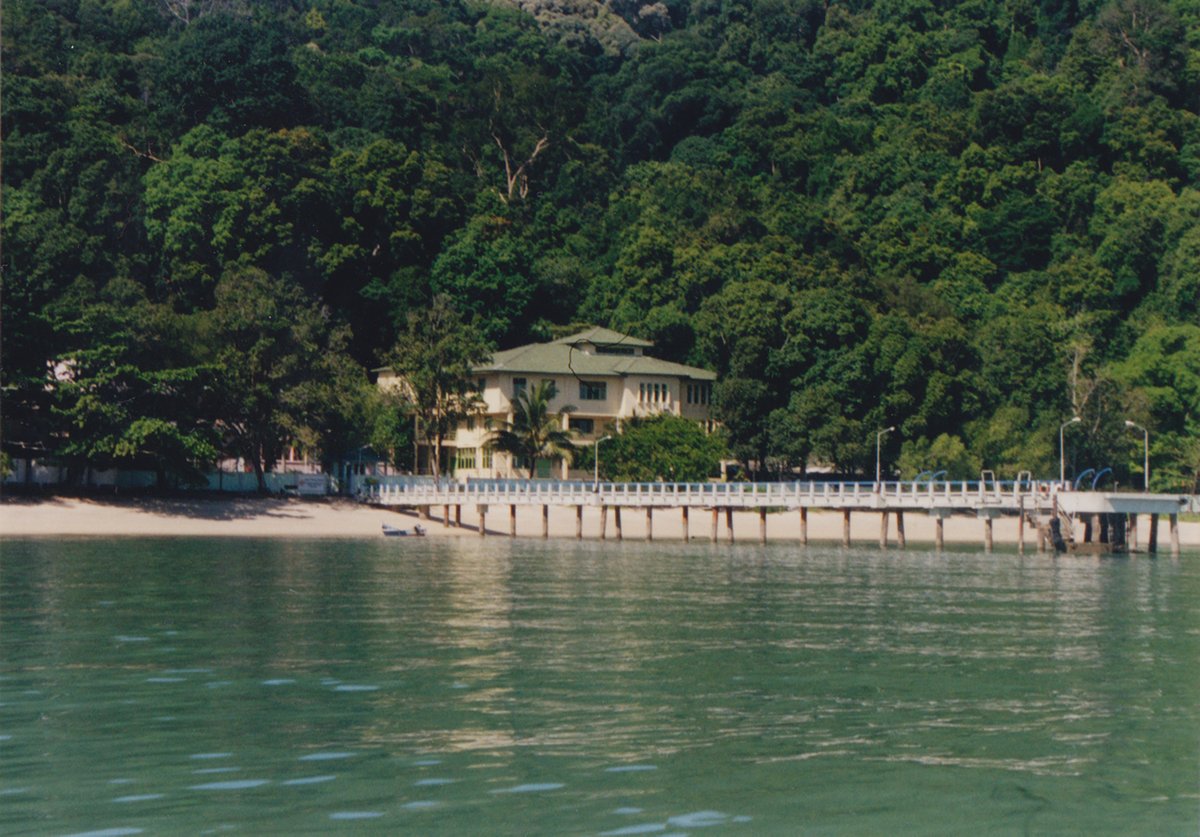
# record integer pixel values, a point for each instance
(534, 431)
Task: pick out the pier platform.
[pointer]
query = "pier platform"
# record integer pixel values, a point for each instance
(1082, 517)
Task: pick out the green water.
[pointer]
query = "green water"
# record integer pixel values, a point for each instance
(519, 687)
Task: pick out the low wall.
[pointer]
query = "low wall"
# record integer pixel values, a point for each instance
(45, 475)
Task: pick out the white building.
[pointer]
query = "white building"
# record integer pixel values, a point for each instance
(601, 378)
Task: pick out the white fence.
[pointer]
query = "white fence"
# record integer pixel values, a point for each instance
(43, 475)
(985, 498)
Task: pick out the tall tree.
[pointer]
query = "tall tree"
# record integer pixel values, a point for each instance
(435, 356)
(281, 365)
(129, 390)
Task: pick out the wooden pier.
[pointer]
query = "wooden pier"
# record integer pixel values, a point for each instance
(1063, 519)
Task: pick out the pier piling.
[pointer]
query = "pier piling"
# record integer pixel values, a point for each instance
(579, 523)
(684, 510)
(900, 541)
(845, 527)
(649, 523)
(762, 525)
(804, 525)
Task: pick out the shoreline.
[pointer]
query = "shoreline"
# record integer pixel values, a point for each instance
(259, 517)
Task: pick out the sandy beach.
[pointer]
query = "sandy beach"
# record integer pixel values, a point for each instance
(342, 518)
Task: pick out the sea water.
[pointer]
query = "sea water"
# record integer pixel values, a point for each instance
(496, 686)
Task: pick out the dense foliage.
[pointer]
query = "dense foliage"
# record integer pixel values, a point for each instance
(971, 220)
(655, 448)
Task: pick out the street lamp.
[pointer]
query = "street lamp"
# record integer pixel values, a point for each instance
(1146, 462)
(1062, 461)
(878, 443)
(596, 463)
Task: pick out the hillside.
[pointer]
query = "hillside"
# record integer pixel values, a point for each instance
(970, 220)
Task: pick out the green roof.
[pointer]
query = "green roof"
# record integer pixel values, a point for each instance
(562, 358)
(604, 337)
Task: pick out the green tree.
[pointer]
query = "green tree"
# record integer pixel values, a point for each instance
(1162, 377)
(281, 368)
(129, 389)
(661, 447)
(534, 432)
(435, 356)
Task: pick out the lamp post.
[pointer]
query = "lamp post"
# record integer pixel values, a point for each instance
(878, 444)
(596, 463)
(1062, 460)
(1146, 461)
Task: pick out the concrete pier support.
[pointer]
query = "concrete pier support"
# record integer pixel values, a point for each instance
(423, 512)
(458, 516)
(762, 525)
(1153, 547)
(845, 527)
(987, 534)
(545, 521)
(482, 520)
(716, 517)
(1173, 527)
(804, 526)
(446, 516)
(512, 521)
(579, 523)
(939, 534)
(1021, 531)
(617, 522)
(900, 541)
(649, 523)
(603, 521)
(729, 524)
(883, 530)
(1132, 533)
(684, 511)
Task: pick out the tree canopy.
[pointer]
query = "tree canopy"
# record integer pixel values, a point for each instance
(970, 220)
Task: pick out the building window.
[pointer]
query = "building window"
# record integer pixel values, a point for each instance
(464, 459)
(593, 390)
(699, 393)
(487, 458)
(582, 425)
(518, 386)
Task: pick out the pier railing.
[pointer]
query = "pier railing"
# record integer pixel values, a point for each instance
(936, 496)
(949, 494)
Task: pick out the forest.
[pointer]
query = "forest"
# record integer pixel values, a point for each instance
(970, 220)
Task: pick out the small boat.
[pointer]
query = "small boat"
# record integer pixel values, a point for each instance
(396, 532)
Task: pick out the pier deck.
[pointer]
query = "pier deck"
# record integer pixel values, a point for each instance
(1036, 501)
